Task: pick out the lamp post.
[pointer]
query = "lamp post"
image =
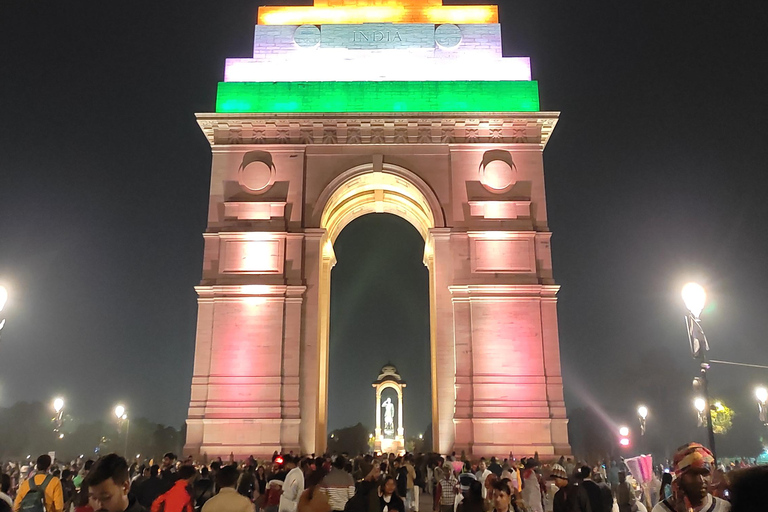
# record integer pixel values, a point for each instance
(694, 297)
(3, 300)
(642, 414)
(122, 418)
(761, 393)
(58, 407)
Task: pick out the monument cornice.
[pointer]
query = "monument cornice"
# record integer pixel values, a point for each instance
(466, 128)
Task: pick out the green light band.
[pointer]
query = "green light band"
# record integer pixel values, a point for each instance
(466, 96)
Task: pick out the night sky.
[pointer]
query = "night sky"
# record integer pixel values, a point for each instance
(655, 175)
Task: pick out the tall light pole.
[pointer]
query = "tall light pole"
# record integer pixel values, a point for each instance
(58, 406)
(761, 393)
(642, 414)
(3, 300)
(694, 298)
(122, 418)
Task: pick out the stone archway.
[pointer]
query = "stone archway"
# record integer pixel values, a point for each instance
(276, 207)
(374, 188)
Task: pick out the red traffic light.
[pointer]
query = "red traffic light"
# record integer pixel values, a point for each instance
(279, 460)
(624, 441)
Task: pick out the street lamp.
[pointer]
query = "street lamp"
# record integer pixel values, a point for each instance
(701, 405)
(3, 300)
(642, 413)
(694, 297)
(122, 418)
(761, 393)
(58, 406)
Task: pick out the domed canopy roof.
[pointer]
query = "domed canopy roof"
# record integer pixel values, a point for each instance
(389, 372)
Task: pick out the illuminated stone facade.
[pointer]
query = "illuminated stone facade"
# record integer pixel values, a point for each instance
(287, 178)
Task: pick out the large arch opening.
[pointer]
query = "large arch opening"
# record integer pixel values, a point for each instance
(360, 191)
(379, 315)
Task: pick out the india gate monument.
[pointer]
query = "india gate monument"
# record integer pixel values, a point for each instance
(356, 107)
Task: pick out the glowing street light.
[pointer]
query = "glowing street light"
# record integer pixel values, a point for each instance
(694, 297)
(700, 404)
(3, 300)
(761, 393)
(58, 420)
(119, 411)
(642, 413)
(624, 431)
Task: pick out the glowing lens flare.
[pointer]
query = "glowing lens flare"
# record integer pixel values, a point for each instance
(694, 298)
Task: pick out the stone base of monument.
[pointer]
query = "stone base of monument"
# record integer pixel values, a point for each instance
(396, 445)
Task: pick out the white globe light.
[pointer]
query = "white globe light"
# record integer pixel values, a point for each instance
(624, 431)
(642, 411)
(762, 394)
(694, 298)
(119, 411)
(58, 404)
(700, 404)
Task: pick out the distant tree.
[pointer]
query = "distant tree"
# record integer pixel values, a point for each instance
(352, 440)
(722, 418)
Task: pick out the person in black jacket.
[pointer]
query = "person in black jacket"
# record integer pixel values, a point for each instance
(594, 494)
(147, 491)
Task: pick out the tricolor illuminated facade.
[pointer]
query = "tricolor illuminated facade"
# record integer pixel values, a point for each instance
(354, 107)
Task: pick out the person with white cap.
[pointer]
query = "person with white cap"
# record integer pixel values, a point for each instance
(570, 497)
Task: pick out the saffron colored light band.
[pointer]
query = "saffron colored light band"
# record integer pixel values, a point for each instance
(333, 97)
(278, 15)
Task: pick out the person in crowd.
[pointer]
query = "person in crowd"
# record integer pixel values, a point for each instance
(692, 465)
(82, 502)
(401, 477)
(271, 500)
(466, 477)
(666, 487)
(78, 480)
(150, 489)
(247, 484)
(141, 475)
(108, 483)
(411, 493)
(490, 480)
(6, 503)
(748, 489)
(625, 495)
(338, 485)
(473, 501)
(261, 483)
(228, 499)
(67, 488)
(180, 497)
(595, 496)
(313, 499)
(495, 467)
(447, 486)
(203, 488)
(569, 497)
(613, 477)
(43, 483)
(388, 500)
(503, 496)
(532, 487)
(293, 485)
(605, 491)
(482, 475)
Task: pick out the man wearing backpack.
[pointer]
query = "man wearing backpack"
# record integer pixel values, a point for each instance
(41, 492)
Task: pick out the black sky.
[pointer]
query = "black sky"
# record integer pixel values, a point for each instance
(655, 175)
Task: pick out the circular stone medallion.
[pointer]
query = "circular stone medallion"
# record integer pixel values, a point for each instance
(448, 36)
(256, 177)
(498, 176)
(307, 36)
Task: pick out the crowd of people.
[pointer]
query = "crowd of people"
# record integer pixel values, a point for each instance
(381, 483)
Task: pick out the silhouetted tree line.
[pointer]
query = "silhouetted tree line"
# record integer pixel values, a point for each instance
(27, 429)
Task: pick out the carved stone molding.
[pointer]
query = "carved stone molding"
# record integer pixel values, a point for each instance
(494, 128)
